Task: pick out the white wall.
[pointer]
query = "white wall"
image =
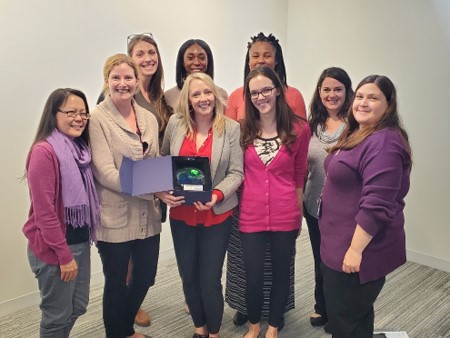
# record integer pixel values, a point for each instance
(49, 44)
(409, 41)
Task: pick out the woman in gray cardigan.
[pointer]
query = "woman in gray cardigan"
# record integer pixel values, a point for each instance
(201, 231)
(129, 225)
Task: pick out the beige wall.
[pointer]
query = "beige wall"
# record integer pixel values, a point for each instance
(409, 41)
(49, 44)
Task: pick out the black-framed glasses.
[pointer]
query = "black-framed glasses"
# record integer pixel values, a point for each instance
(265, 92)
(135, 36)
(73, 114)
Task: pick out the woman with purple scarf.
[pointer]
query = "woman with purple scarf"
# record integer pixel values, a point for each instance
(64, 211)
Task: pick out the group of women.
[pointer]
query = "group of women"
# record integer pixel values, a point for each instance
(346, 170)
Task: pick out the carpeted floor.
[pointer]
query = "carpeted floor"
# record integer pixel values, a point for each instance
(415, 299)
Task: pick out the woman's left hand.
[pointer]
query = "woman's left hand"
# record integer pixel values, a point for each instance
(203, 207)
(352, 260)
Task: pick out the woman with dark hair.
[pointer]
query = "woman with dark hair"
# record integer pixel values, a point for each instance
(361, 219)
(266, 51)
(332, 97)
(275, 143)
(201, 231)
(194, 55)
(64, 211)
(130, 226)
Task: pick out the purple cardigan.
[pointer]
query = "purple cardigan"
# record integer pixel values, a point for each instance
(269, 200)
(367, 186)
(45, 227)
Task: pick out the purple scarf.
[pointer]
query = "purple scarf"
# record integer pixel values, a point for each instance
(81, 206)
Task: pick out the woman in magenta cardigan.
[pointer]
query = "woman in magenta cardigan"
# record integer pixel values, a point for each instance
(361, 219)
(275, 142)
(262, 50)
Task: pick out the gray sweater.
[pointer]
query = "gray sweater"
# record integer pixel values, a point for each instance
(316, 173)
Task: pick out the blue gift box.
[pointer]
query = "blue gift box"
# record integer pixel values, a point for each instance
(184, 175)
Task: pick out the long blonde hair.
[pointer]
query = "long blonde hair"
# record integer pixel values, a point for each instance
(184, 107)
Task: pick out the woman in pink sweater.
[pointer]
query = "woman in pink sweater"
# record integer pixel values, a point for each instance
(64, 211)
(275, 142)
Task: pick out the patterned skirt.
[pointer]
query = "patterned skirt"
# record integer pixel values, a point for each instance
(235, 282)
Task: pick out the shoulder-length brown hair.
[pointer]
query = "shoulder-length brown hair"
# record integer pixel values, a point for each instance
(353, 135)
(285, 116)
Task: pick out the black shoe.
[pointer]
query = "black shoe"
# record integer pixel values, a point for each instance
(327, 328)
(281, 325)
(198, 335)
(239, 318)
(318, 321)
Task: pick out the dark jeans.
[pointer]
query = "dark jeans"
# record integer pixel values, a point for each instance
(200, 253)
(350, 303)
(282, 246)
(121, 302)
(314, 237)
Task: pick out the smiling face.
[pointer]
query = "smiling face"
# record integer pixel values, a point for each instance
(262, 54)
(369, 105)
(122, 82)
(266, 104)
(72, 127)
(195, 59)
(201, 98)
(332, 94)
(146, 57)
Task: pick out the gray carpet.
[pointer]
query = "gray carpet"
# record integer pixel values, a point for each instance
(415, 299)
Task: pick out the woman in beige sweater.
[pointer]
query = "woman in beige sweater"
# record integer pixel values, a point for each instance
(129, 225)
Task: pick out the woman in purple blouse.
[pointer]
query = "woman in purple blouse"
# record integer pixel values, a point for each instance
(361, 218)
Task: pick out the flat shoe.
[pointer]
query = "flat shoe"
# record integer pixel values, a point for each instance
(142, 318)
(198, 335)
(239, 318)
(318, 321)
(247, 332)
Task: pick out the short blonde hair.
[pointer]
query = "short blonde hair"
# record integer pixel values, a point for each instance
(116, 60)
(184, 107)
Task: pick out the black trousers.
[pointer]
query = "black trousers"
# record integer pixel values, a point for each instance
(350, 303)
(200, 253)
(282, 246)
(314, 237)
(121, 301)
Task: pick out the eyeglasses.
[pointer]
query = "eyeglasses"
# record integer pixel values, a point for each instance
(134, 36)
(265, 92)
(73, 114)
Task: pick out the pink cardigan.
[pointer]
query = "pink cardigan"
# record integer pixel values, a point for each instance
(45, 227)
(269, 200)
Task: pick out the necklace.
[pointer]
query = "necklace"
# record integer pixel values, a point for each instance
(326, 138)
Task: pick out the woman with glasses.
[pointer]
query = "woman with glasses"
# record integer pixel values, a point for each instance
(275, 142)
(194, 56)
(130, 226)
(64, 211)
(266, 51)
(327, 120)
(201, 231)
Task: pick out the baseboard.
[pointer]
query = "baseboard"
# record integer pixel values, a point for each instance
(431, 261)
(33, 298)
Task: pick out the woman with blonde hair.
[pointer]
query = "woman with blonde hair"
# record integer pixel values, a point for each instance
(130, 226)
(201, 231)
